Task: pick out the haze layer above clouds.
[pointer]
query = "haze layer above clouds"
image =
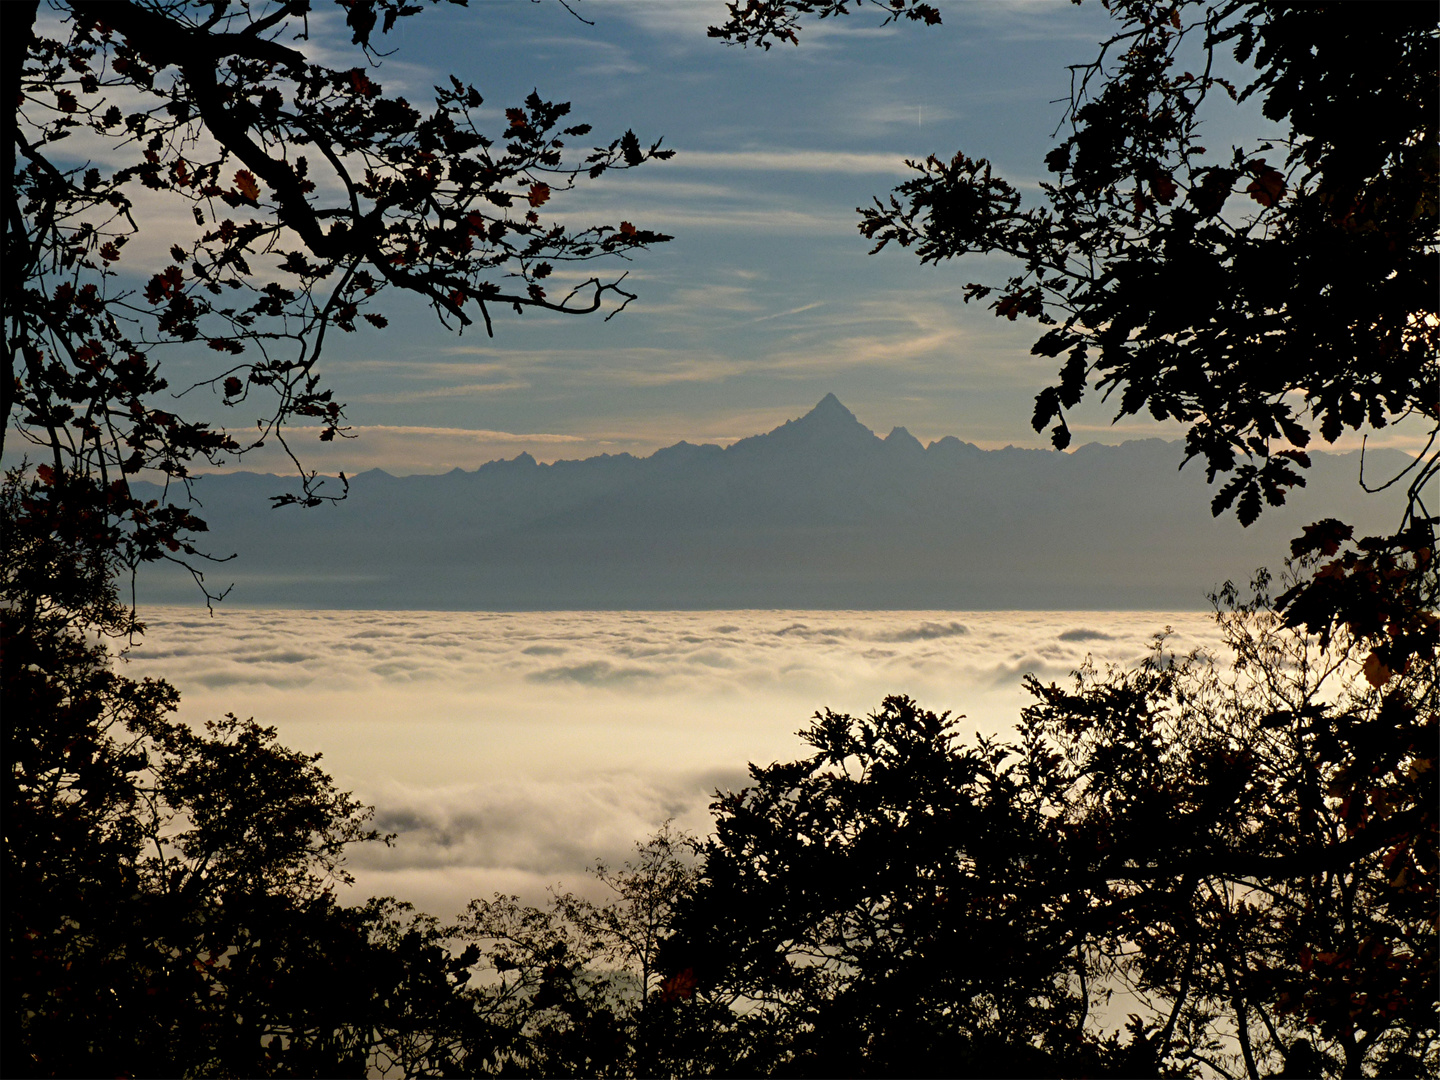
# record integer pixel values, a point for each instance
(820, 512)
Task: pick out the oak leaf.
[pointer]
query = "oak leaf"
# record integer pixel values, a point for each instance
(679, 986)
(247, 185)
(1267, 187)
(1377, 672)
(1163, 186)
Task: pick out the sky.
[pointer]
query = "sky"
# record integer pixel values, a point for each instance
(766, 299)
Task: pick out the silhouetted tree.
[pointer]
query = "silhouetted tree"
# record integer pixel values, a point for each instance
(577, 989)
(168, 894)
(1266, 833)
(313, 194)
(1234, 854)
(1246, 852)
(864, 902)
(1259, 294)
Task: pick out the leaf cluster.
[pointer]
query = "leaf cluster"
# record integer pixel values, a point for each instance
(1261, 295)
(764, 22)
(315, 197)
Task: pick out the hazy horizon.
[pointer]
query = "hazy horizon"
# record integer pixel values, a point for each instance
(819, 512)
(766, 299)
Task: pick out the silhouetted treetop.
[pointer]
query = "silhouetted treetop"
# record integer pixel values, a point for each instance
(1240, 856)
(764, 22)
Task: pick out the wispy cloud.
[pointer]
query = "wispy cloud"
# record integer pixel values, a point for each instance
(818, 161)
(685, 20)
(477, 434)
(792, 311)
(461, 390)
(608, 58)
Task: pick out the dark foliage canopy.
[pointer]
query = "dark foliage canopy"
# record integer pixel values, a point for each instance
(1260, 294)
(1241, 859)
(169, 902)
(169, 893)
(1235, 860)
(313, 195)
(1193, 867)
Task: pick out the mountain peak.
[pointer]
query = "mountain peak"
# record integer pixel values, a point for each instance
(828, 421)
(829, 427)
(829, 408)
(901, 439)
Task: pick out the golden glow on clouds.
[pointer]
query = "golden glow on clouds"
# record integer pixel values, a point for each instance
(511, 750)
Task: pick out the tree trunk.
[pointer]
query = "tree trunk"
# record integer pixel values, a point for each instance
(17, 29)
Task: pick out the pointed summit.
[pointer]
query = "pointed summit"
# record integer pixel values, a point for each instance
(900, 439)
(829, 408)
(828, 428)
(831, 417)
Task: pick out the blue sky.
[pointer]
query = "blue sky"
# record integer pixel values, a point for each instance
(767, 298)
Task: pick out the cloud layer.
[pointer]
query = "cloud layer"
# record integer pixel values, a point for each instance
(508, 751)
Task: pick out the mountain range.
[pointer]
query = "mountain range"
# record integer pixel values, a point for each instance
(818, 513)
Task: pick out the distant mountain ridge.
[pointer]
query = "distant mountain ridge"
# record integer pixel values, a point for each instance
(818, 513)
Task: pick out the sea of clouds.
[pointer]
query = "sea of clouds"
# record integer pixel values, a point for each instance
(508, 751)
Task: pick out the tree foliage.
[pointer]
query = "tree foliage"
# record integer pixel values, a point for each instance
(577, 988)
(764, 22)
(294, 198)
(855, 898)
(1259, 294)
(1201, 866)
(169, 893)
(1241, 857)
(170, 904)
